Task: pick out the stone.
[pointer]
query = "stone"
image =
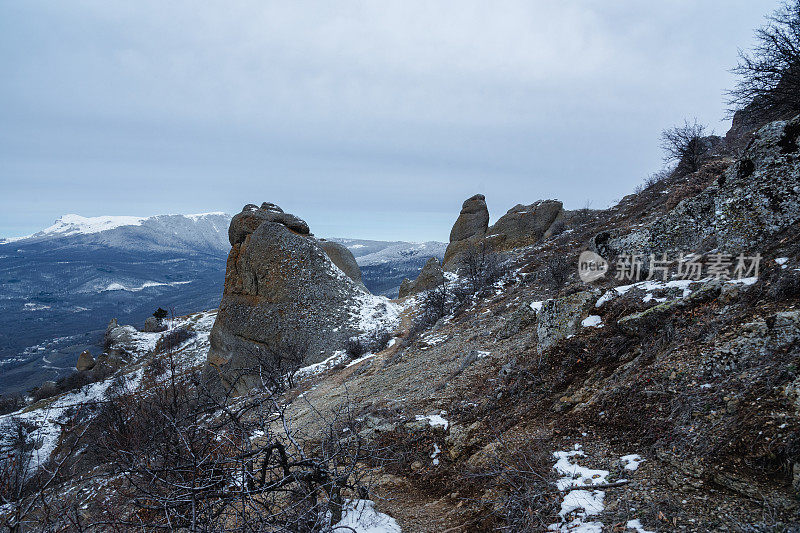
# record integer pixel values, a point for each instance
(284, 304)
(251, 217)
(343, 258)
(153, 325)
(429, 277)
(472, 220)
(561, 317)
(85, 361)
(525, 224)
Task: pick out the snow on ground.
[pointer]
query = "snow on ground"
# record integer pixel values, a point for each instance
(362, 517)
(435, 420)
(577, 505)
(120, 287)
(75, 224)
(536, 306)
(782, 261)
(435, 454)
(632, 461)
(592, 321)
(322, 366)
(636, 525)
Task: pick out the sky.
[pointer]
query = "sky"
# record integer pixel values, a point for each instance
(367, 119)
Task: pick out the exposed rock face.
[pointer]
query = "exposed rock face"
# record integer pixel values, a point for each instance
(343, 258)
(473, 219)
(469, 229)
(85, 361)
(429, 277)
(756, 197)
(525, 224)
(283, 297)
(252, 217)
(561, 317)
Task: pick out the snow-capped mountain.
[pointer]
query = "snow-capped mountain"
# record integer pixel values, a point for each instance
(385, 264)
(60, 286)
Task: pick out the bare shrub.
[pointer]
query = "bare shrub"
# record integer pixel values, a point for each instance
(557, 270)
(482, 267)
(770, 75)
(173, 338)
(686, 145)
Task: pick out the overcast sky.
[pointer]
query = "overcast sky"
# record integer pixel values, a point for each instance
(367, 119)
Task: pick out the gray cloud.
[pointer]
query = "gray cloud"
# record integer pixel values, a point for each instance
(370, 119)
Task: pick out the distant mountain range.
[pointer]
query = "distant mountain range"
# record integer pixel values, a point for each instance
(62, 285)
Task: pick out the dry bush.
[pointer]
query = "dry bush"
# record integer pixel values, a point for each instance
(173, 338)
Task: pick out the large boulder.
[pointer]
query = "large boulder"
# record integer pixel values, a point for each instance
(343, 258)
(429, 277)
(525, 224)
(472, 220)
(284, 303)
(253, 216)
(85, 361)
(470, 228)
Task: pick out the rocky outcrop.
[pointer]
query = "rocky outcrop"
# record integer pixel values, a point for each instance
(85, 361)
(284, 302)
(560, 317)
(520, 226)
(755, 198)
(343, 258)
(429, 277)
(153, 325)
(470, 227)
(525, 224)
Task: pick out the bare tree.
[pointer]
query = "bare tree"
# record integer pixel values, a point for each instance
(686, 145)
(770, 74)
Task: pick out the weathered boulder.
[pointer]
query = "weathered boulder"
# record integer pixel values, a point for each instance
(469, 229)
(560, 317)
(284, 303)
(85, 361)
(525, 224)
(252, 217)
(343, 258)
(473, 219)
(429, 277)
(153, 325)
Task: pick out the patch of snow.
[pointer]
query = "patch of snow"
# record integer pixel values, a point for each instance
(592, 321)
(322, 366)
(632, 461)
(35, 307)
(706, 386)
(782, 261)
(744, 281)
(72, 224)
(145, 285)
(360, 516)
(536, 306)
(482, 354)
(577, 505)
(360, 359)
(435, 454)
(636, 525)
(435, 421)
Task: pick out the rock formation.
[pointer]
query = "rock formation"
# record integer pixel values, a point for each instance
(85, 361)
(520, 226)
(284, 302)
(343, 258)
(525, 224)
(429, 277)
(470, 227)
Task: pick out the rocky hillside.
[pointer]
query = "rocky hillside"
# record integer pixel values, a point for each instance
(507, 394)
